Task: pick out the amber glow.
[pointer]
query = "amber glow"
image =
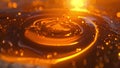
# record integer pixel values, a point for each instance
(78, 5)
(118, 14)
(12, 5)
(82, 51)
(119, 54)
(48, 62)
(49, 41)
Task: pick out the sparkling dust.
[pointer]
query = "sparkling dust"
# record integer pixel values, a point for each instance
(55, 53)
(116, 39)
(54, 36)
(107, 43)
(21, 54)
(118, 14)
(83, 22)
(12, 5)
(19, 13)
(78, 49)
(16, 52)
(14, 19)
(3, 41)
(102, 48)
(8, 18)
(49, 56)
(119, 55)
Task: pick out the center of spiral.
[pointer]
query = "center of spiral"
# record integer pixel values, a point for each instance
(60, 31)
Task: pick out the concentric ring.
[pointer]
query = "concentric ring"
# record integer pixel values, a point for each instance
(62, 33)
(55, 38)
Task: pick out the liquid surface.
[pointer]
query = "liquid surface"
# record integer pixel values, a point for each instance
(54, 35)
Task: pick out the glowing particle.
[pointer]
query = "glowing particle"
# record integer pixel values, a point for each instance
(12, 5)
(40, 8)
(68, 34)
(49, 56)
(78, 49)
(70, 20)
(19, 13)
(102, 48)
(109, 35)
(118, 14)
(68, 17)
(14, 19)
(119, 54)
(21, 54)
(107, 43)
(16, 52)
(3, 41)
(79, 5)
(57, 18)
(116, 38)
(79, 16)
(8, 18)
(83, 22)
(55, 53)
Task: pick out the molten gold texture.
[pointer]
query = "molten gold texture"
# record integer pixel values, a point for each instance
(56, 32)
(49, 60)
(79, 5)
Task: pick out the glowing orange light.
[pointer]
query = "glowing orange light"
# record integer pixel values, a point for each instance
(48, 62)
(84, 50)
(119, 54)
(12, 5)
(79, 5)
(118, 14)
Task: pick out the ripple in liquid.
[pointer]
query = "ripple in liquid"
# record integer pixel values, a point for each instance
(63, 34)
(57, 37)
(54, 32)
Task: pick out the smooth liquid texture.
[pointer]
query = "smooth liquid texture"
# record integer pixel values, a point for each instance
(82, 29)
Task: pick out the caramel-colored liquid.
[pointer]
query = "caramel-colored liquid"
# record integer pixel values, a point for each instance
(55, 36)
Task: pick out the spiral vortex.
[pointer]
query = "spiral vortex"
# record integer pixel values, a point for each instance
(68, 35)
(52, 37)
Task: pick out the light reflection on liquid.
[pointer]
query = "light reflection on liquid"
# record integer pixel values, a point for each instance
(68, 41)
(62, 32)
(92, 31)
(38, 38)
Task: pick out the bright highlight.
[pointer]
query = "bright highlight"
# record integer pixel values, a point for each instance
(78, 5)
